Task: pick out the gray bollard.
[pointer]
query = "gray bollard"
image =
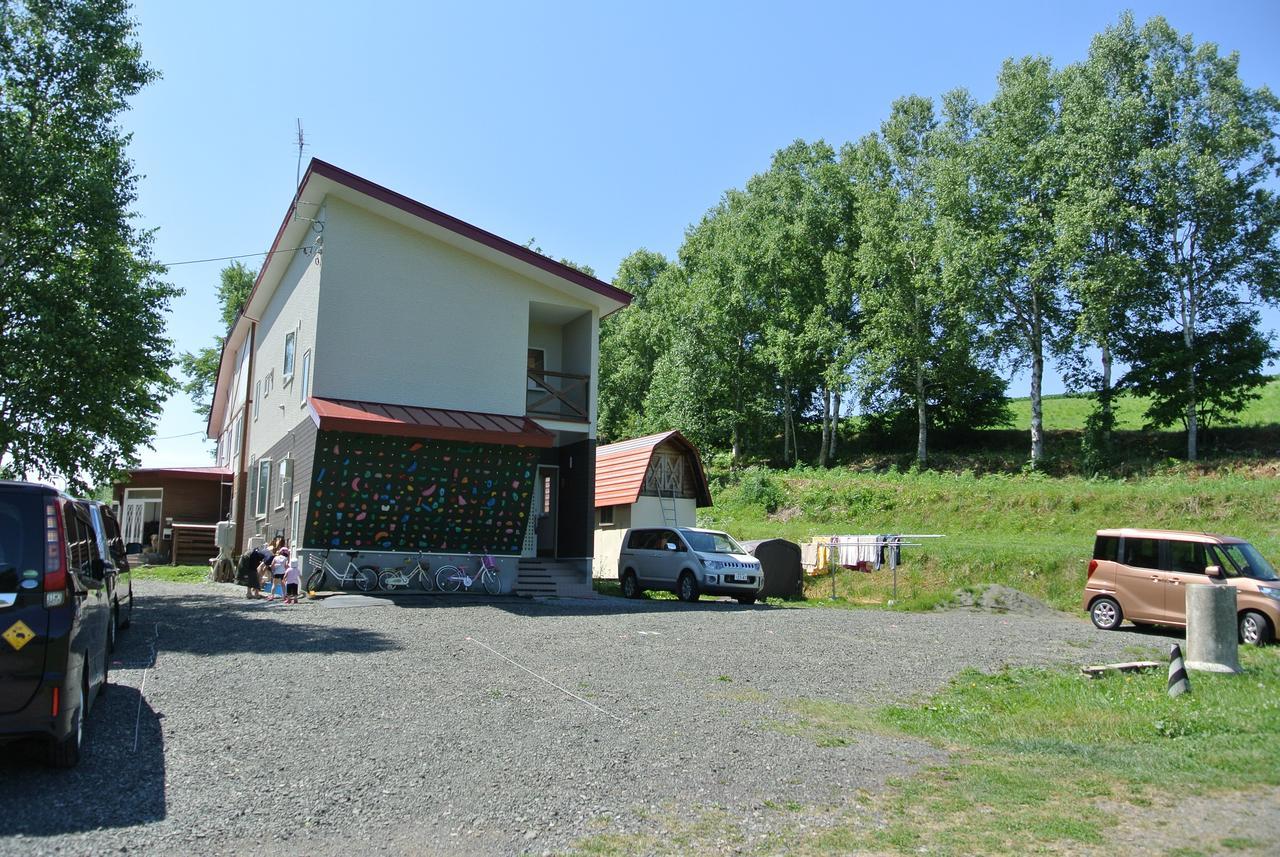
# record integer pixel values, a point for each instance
(1212, 642)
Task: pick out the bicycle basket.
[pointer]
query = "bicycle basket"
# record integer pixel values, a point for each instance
(314, 561)
(489, 562)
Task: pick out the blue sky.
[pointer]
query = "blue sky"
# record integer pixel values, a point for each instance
(595, 128)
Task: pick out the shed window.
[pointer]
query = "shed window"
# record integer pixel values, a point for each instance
(605, 514)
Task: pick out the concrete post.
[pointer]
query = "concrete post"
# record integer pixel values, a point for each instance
(1212, 642)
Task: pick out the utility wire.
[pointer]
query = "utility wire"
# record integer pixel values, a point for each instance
(225, 258)
(175, 436)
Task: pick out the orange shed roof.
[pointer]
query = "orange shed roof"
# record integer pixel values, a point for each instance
(620, 468)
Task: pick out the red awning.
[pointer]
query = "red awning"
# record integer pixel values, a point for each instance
(434, 423)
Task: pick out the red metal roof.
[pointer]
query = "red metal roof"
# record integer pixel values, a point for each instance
(620, 469)
(213, 474)
(434, 423)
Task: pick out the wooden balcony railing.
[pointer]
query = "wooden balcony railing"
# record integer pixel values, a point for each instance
(558, 394)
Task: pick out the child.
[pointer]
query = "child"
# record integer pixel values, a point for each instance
(292, 580)
(278, 565)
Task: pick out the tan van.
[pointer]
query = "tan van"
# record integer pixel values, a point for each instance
(1142, 575)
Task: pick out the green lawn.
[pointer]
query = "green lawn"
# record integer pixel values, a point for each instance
(1069, 412)
(173, 573)
(1038, 761)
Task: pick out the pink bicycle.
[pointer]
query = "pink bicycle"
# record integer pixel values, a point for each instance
(451, 578)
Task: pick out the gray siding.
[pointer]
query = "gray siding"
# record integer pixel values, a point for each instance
(299, 444)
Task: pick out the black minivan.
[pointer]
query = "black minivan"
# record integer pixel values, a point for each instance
(54, 617)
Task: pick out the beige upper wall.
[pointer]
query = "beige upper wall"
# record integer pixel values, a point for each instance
(408, 319)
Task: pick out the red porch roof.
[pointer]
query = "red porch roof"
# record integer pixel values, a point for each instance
(213, 474)
(434, 423)
(620, 469)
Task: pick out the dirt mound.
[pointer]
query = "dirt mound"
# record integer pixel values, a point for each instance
(1000, 599)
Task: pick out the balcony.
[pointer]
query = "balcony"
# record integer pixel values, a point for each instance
(558, 395)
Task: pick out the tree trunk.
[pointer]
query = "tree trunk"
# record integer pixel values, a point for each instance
(787, 426)
(1104, 391)
(1189, 341)
(835, 425)
(1037, 405)
(922, 417)
(826, 427)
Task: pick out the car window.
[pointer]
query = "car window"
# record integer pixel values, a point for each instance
(669, 537)
(1142, 553)
(640, 540)
(1187, 557)
(1242, 560)
(21, 537)
(1106, 547)
(712, 542)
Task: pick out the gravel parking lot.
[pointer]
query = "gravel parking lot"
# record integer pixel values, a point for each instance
(456, 725)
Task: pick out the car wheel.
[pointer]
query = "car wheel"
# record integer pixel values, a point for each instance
(631, 586)
(1255, 629)
(687, 587)
(65, 753)
(1106, 614)
(746, 599)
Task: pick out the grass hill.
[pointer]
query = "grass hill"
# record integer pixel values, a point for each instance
(1030, 531)
(1068, 412)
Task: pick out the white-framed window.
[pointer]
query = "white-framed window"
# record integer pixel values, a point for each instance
(235, 438)
(257, 398)
(306, 377)
(264, 488)
(285, 469)
(290, 345)
(295, 526)
(252, 487)
(537, 365)
(268, 383)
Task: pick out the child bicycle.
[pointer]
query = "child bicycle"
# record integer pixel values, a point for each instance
(451, 577)
(365, 577)
(402, 577)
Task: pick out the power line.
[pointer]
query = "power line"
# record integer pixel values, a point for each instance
(176, 436)
(225, 258)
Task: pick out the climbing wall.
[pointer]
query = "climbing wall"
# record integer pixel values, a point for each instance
(376, 492)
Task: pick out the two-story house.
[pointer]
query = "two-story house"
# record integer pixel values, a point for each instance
(403, 381)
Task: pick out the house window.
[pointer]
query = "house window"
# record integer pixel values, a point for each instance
(295, 525)
(606, 516)
(257, 397)
(537, 365)
(286, 476)
(546, 495)
(306, 377)
(268, 383)
(235, 439)
(290, 344)
(263, 488)
(253, 482)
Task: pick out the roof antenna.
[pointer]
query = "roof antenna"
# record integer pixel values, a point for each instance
(302, 143)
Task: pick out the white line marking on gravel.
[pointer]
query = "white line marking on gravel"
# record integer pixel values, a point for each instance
(142, 689)
(543, 679)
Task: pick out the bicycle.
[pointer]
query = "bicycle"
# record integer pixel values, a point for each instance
(402, 577)
(451, 577)
(365, 577)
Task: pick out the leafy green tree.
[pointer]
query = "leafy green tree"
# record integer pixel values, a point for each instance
(235, 282)
(918, 341)
(1210, 225)
(84, 360)
(630, 341)
(1004, 237)
(1101, 215)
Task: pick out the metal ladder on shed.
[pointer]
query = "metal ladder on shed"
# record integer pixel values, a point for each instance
(667, 502)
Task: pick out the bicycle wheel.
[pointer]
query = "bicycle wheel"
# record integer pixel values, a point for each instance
(492, 583)
(389, 580)
(426, 579)
(316, 581)
(366, 578)
(449, 578)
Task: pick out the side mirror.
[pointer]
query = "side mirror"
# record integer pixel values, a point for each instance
(671, 546)
(133, 549)
(1214, 571)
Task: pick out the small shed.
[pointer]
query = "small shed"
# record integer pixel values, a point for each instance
(780, 559)
(651, 481)
(172, 511)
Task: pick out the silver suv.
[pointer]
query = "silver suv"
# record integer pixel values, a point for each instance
(687, 562)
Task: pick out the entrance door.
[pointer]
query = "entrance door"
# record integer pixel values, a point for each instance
(133, 510)
(548, 493)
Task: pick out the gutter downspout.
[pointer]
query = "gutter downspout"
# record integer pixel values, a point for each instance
(243, 493)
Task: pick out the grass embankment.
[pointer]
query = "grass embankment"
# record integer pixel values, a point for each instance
(1041, 760)
(1031, 532)
(173, 573)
